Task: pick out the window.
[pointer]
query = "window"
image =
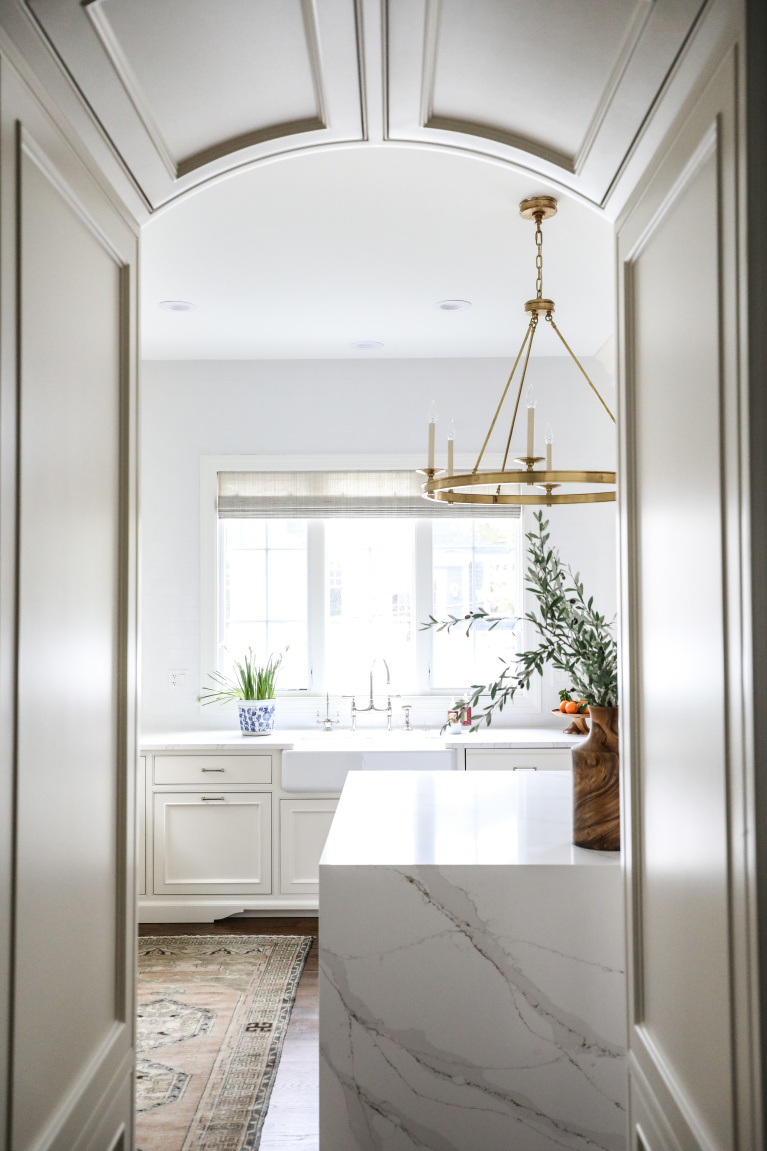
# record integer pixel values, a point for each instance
(264, 594)
(474, 564)
(370, 581)
(339, 567)
(375, 581)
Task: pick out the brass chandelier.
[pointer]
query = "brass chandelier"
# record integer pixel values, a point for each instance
(508, 483)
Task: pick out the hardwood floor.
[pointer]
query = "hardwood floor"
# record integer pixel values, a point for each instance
(292, 1121)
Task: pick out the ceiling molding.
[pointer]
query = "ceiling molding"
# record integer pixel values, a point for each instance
(94, 10)
(176, 167)
(634, 33)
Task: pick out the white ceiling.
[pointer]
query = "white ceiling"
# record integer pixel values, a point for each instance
(301, 257)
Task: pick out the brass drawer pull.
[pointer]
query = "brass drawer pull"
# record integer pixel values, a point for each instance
(212, 769)
(212, 798)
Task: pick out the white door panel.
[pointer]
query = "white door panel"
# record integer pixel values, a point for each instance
(75, 764)
(683, 760)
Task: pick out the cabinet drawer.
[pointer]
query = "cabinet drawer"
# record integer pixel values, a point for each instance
(545, 759)
(212, 842)
(212, 770)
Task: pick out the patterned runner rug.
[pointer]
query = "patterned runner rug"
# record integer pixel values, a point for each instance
(213, 1011)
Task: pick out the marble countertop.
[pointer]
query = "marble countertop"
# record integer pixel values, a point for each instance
(521, 737)
(414, 818)
(310, 739)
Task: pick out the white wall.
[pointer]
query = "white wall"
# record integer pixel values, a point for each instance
(192, 408)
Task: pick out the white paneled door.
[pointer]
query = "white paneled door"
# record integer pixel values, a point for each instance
(67, 334)
(692, 1068)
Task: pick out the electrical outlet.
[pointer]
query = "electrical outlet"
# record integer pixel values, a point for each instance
(176, 679)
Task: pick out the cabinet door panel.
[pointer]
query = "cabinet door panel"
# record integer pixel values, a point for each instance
(543, 759)
(304, 827)
(212, 770)
(141, 826)
(217, 843)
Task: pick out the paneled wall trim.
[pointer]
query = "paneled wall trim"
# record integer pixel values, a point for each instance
(688, 788)
(67, 642)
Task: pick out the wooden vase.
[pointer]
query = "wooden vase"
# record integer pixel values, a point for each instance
(596, 789)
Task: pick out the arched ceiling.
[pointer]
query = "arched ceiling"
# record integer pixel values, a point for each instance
(303, 258)
(189, 90)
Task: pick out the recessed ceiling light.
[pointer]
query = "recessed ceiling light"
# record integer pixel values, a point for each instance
(367, 345)
(453, 305)
(176, 305)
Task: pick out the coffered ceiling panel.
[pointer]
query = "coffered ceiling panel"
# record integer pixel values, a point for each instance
(187, 89)
(254, 74)
(501, 69)
(556, 86)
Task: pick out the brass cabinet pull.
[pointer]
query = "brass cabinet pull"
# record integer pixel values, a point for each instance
(212, 798)
(212, 769)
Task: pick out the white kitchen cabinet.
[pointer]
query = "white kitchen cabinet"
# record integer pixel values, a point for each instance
(141, 826)
(212, 843)
(521, 759)
(304, 827)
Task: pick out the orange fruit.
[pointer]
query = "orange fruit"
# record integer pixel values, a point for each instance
(563, 705)
(571, 706)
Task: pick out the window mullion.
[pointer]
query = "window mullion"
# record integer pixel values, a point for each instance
(423, 604)
(316, 607)
(221, 620)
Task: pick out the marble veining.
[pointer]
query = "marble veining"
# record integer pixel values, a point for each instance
(466, 1007)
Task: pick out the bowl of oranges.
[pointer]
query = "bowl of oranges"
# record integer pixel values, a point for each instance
(576, 710)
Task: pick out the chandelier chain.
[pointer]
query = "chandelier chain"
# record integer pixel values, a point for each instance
(539, 257)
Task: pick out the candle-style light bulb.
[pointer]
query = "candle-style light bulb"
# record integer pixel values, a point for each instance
(450, 442)
(549, 442)
(432, 432)
(531, 400)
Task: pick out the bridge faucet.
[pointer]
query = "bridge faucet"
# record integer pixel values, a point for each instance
(371, 705)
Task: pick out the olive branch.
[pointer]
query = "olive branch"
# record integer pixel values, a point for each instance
(573, 636)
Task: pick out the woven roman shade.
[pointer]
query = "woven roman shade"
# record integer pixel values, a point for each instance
(331, 495)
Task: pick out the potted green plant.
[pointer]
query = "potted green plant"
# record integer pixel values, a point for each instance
(253, 687)
(575, 638)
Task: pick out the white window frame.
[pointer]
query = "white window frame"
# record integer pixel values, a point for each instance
(210, 466)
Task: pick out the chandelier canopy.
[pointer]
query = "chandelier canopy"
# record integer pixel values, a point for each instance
(525, 485)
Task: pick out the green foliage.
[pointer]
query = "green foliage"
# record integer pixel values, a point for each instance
(573, 636)
(248, 682)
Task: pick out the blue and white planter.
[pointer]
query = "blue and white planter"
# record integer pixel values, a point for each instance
(257, 716)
